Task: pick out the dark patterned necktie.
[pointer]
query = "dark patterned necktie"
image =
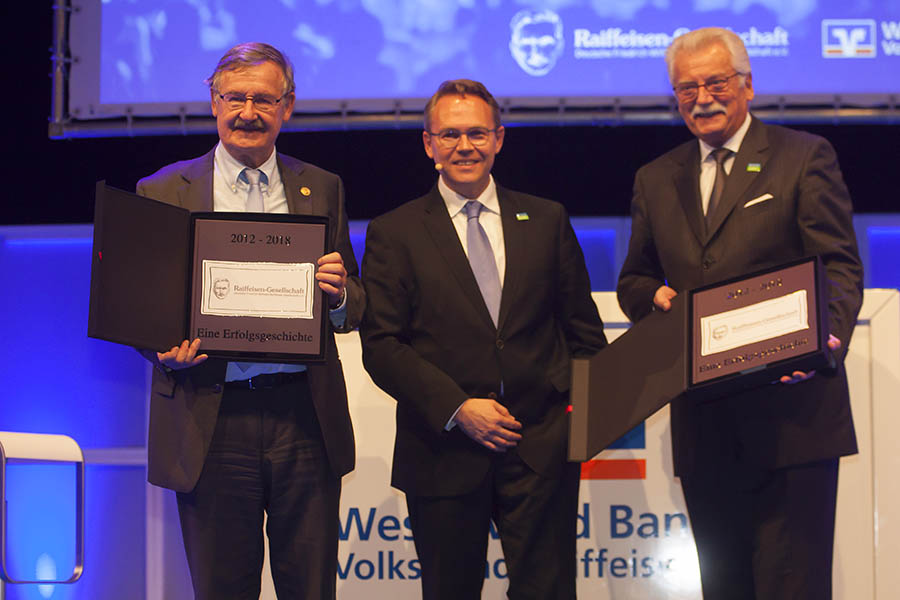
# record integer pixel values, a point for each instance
(720, 155)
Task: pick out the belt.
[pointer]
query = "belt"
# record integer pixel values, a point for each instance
(266, 381)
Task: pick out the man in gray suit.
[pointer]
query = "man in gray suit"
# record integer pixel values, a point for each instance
(240, 440)
(758, 469)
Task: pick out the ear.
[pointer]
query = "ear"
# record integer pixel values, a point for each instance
(748, 86)
(500, 133)
(212, 102)
(426, 137)
(289, 105)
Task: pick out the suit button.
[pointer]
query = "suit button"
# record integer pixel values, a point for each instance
(217, 389)
(707, 263)
(499, 344)
(492, 395)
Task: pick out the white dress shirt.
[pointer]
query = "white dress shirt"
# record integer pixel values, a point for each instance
(708, 163)
(489, 219)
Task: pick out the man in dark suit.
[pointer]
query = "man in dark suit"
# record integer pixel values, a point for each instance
(478, 300)
(758, 469)
(237, 440)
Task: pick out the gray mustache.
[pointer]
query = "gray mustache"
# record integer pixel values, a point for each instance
(254, 125)
(710, 109)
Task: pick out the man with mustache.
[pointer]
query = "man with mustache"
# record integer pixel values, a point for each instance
(758, 469)
(237, 441)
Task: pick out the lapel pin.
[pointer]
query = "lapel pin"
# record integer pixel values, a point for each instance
(522, 216)
(754, 167)
(305, 191)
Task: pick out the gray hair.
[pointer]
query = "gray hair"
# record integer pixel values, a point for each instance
(462, 87)
(250, 54)
(703, 38)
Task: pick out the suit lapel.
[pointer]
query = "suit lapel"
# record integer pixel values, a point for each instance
(439, 226)
(753, 150)
(198, 194)
(515, 236)
(291, 172)
(687, 186)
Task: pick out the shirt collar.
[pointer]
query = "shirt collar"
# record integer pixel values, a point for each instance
(455, 202)
(231, 168)
(733, 144)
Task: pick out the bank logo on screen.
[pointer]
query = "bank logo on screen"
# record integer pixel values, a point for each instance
(536, 40)
(848, 38)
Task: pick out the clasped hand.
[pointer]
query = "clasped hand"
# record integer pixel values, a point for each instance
(489, 423)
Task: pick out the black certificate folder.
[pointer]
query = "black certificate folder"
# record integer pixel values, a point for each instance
(715, 341)
(244, 283)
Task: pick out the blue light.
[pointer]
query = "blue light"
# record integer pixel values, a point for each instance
(884, 248)
(35, 242)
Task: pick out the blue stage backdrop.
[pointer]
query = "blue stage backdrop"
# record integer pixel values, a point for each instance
(57, 380)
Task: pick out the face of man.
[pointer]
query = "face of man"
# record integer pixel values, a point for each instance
(220, 288)
(466, 168)
(713, 118)
(249, 133)
(536, 47)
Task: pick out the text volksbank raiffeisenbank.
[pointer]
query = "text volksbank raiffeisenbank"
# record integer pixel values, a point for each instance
(369, 533)
(615, 42)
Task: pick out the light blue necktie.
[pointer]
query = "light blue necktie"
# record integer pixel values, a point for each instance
(481, 258)
(254, 196)
(254, 204)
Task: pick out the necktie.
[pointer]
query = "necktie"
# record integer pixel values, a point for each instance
(719, 154)
(254, 196)
(481, 258)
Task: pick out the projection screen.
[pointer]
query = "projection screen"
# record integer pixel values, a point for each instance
(384, 57)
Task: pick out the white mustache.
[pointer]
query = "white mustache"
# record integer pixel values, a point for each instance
(708, 109)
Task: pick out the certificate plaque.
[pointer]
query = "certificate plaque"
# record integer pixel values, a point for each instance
(752, 330)
(244, 283)
(714, 341)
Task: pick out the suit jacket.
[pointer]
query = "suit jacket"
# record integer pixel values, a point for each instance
(429, 341)
(184, 405)
(809, 213)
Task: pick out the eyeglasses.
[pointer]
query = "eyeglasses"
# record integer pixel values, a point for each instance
(449, 138)
(689, 91)
(262, 102)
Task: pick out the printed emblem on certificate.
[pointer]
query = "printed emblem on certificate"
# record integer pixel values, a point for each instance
(264, 289)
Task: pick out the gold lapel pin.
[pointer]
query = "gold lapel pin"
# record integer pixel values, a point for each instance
(305, 191)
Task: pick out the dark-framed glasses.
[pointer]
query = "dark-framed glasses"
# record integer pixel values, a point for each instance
(688, 91)
(262, 102)
(449, 138)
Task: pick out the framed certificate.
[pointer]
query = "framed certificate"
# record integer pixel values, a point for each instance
(253, 289)
(244, 283)
(753, 329)
(715, 340)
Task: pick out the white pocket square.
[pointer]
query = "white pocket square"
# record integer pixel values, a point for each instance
(762, 198)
